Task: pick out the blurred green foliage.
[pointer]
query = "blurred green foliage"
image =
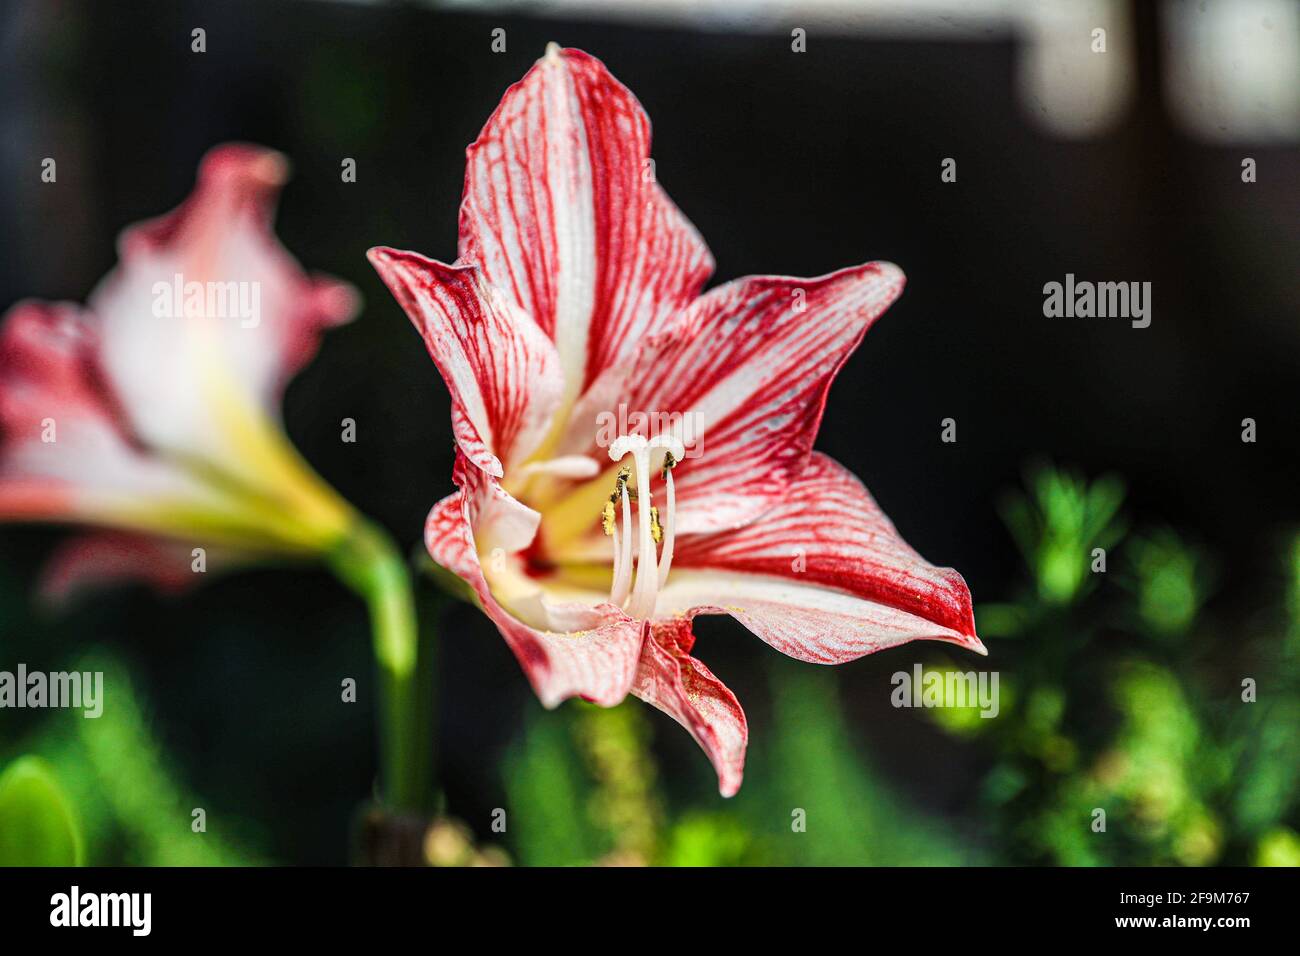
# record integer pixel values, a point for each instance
(117, 783)
(1058, 523)
(1142, 712)
(37, 825)
(1172, 580)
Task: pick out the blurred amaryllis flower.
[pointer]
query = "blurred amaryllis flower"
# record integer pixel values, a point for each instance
(152, 413)
(576, 298)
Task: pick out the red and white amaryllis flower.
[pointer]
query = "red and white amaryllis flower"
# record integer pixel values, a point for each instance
(577, 295)
(152, 413)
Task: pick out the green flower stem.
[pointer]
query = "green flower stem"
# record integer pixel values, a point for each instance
(370, 564)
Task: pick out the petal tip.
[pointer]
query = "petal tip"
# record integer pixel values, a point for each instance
(893, 271)
(888, 274)
(381, 255)
(337, 301)
(257, 166)
(548, 699)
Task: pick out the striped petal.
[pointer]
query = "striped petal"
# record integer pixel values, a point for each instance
(684, 689)
(595, 655)
(823, 577)
(746, 372)
(563, 214)
(502, 371)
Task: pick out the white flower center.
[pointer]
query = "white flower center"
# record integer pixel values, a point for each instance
(639, 600)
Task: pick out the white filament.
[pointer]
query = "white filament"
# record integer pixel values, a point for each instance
(666, 552)
(622, 557)
(650, 574)
(647, 577)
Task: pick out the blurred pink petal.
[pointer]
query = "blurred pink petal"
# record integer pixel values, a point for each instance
(148, 414)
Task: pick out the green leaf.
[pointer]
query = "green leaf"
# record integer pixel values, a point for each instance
(37, 826)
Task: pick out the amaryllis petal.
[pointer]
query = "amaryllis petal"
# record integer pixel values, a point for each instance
(107, 558)
(750, 364)
(827, 529)
(597, 663)
(153, 411)
(501, 369)
(47, 364)
(682, 687)
(64, 455)
(823, 576)
(206, 300)
(563, 213)
(806, 622)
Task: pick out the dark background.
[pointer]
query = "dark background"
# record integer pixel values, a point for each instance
(794, 164)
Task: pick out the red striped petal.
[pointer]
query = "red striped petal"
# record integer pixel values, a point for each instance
(823, 576)
(500, 368)
(563, 214)
(684, 689)
(597, 662)
(750, 364)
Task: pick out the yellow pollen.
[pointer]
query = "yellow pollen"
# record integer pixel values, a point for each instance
(656, 532)
(607, 513)
(669, 462)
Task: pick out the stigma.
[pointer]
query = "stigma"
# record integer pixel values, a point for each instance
(635, 546)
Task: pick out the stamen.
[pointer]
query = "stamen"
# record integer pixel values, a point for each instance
(647, 581)
(620, 483)
(622, 555)
(666, 552)
(650, 574)
(618, 565)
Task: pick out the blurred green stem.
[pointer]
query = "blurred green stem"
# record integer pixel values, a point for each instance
(370, 564)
